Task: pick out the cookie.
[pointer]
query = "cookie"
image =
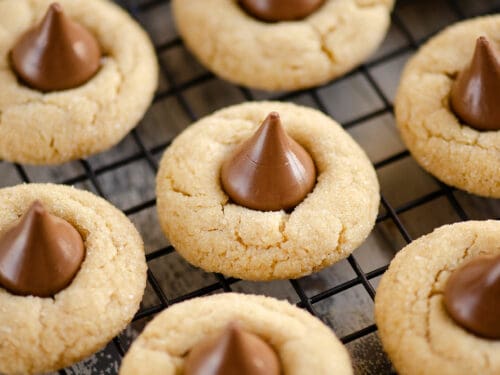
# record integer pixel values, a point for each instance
(37, 334)
(416, 330)
(38, 127)
(213, 233)
(303, 344)
(442, 143)
(330, 41)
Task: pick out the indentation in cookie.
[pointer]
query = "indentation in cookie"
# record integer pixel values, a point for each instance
(57, 54)
(475, 94)
(472, 296)
(280, 10)
(234, 351)
(40, 255)
(270, 171)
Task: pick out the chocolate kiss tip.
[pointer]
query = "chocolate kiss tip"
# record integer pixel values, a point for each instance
(40, 254)
(57, 54)
(55, 7)
(475, 93)
(234, 333)
(37, 206)
(483, 41)
(471, 296)
(234, 351)
(485, 47)
(269, 171)
(275, 116)
(272, 123)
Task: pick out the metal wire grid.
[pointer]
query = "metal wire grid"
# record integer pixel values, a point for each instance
(150, 154)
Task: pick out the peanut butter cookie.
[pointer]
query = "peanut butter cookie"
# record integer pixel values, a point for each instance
(211, 231)
(283, 51)
(417, 331)
(54, 105)
(302, 343)
(445, 143)
(41, 334)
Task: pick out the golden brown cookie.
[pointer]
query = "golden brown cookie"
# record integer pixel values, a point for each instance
(44, 334)
(332, 40)
(212, 233)
(416, 330)
(57, 126)
(454, 152)
(304, 345)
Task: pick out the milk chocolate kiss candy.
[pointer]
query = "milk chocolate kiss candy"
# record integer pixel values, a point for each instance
(234, 352)
(57, 54)
(472, 296)
(40, 255)
(269, 171)
(475, 95)
(280, 10)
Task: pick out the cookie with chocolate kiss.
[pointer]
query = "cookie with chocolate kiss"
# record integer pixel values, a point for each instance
(447, 106)
(72, 275)
(266, 200)
(281, 45)
(82, 77)
(236, 334)
(437, 307)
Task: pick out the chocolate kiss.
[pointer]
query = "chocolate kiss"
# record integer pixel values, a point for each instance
(57, 54)
(475, 95)
(280, 10)
(233, 352)
(269, 171)
(40, 255)
(472, 296)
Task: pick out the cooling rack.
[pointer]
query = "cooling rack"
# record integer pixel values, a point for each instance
(412, 203)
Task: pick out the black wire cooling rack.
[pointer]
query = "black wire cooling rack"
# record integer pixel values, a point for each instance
(399, 212)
